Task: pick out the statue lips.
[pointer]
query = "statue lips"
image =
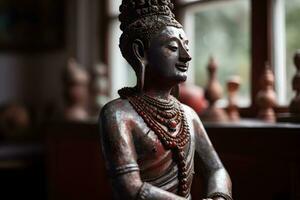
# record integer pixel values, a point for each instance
(182, 67)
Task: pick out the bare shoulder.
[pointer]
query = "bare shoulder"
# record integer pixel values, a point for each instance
(193, 117)
(190, 113)
(116, 108)
(115, 124)
(116, 115)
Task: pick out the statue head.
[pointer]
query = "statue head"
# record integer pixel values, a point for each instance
(153, 42)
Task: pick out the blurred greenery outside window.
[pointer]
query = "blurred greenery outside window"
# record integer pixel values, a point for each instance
(286, 32)
(292, 26)
(221, 29)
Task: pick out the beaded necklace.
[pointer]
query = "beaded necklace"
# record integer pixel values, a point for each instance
(157, 114)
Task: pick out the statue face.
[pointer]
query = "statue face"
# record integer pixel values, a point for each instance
(168, 57)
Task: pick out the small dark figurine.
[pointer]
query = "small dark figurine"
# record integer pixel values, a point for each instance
(295, 103)
(14, 121)
(148, 137)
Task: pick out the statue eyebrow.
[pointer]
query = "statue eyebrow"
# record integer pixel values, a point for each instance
(173, 39)
(186, 42)
(181, 37)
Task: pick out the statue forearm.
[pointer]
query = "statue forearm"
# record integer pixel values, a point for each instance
(219, 185)
(130, 187)
(149, 192)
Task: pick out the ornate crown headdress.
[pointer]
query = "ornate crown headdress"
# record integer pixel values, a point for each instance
(138, 13)
(142, 19)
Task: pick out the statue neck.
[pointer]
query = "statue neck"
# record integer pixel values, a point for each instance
(160, 93)
(158, 87)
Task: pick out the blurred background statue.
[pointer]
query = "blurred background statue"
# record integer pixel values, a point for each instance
(76, 92)
(15, 121)
(213, 93)
(233, 85)
(98, 89)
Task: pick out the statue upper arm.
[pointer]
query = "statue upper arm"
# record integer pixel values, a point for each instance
(119, 152)
(218, 180)
(207, 154)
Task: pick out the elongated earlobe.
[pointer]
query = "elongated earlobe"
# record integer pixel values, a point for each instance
(139, 52)
(138, 49)
(141, 78)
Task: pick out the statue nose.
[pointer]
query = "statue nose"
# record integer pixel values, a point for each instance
(185, 56)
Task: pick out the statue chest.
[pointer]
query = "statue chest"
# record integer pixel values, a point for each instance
(155, 160)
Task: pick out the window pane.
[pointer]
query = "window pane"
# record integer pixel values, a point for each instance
(292, 39)
(221, 30)
(120, 71)
(113, 7)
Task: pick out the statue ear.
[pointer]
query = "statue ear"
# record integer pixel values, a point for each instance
(139, 51)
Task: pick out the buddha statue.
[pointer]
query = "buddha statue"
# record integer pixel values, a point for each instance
(148, 137)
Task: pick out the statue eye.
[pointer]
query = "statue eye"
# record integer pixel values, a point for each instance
(173, 47)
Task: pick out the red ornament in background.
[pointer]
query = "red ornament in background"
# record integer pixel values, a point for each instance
(193, 96)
